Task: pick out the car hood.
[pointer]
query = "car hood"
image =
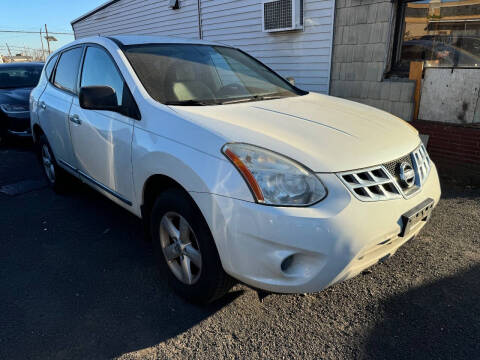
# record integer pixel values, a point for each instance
(324, 133)
(15, 96)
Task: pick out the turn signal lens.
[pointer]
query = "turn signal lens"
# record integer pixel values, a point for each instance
(247, 175)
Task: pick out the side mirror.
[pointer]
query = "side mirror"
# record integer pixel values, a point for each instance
(98, 98)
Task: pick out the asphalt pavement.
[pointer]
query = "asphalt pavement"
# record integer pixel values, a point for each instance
(77, 281)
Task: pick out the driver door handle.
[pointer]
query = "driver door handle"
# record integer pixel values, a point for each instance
(75, 119)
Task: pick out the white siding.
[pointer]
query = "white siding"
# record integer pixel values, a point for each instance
(305, 55)
(141, 17)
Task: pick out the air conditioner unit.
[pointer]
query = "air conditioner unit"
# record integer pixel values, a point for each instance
(282, 15)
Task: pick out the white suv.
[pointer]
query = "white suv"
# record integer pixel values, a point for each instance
(236, 173)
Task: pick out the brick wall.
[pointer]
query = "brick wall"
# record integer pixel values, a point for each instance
(362, 36)
(454, 148)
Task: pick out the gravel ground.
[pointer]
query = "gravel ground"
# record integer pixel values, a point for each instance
(78, 282)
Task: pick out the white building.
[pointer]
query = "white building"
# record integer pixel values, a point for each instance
(304, 53)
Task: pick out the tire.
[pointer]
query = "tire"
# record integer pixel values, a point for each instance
(57, 178)
(3, 134)
(207, 281)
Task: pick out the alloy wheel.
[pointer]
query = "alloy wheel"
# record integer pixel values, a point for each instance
(47, 162)
(180, 248)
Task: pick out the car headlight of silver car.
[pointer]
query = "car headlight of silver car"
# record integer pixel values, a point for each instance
(273, 178)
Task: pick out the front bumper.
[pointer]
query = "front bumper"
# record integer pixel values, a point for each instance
(329, 242)
(16, 123)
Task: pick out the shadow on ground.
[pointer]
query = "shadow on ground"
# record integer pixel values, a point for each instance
(77, 279)
(431, 319)
(18, 162)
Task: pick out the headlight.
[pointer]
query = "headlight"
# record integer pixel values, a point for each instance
(10, 108)
(275, 179)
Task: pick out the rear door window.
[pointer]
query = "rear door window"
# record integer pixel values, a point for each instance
(67, 69)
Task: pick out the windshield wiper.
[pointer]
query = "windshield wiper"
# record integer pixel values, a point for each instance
(188, 103)
(252, 98)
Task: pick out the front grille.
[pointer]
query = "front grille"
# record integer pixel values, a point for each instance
(422, 164)
(383, 182)
(373, 184)
(393, 168)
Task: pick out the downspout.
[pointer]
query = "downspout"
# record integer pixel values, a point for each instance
(332, 44)
(199, 8)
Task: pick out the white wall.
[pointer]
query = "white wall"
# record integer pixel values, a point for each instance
(141, 17)
(305, 55)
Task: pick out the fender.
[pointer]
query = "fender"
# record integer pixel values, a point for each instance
(195, 171)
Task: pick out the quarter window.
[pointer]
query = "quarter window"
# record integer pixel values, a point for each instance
(67, 69)
(50, 66)
(100, 70)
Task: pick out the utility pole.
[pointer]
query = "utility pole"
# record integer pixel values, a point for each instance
(48, 41)
(9, 52)
(41, 41)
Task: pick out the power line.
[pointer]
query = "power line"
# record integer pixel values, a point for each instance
(3, 47)
(33, 32)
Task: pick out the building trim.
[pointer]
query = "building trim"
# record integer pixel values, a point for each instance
(97, 9)
(332, 44)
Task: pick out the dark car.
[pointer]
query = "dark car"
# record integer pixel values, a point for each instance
(16, 82)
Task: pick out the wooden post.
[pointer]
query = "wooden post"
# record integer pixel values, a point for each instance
(416, 71)
(41, 41)
(48, 41)
(9, 52)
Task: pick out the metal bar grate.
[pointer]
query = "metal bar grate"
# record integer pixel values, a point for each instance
(383, 182)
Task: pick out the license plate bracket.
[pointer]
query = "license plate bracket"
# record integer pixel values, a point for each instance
(419, 213)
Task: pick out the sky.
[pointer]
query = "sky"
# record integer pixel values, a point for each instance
(31, 15)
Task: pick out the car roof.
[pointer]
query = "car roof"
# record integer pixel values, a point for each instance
(144, 39)
(127, 40)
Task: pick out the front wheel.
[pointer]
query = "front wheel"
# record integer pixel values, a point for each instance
(185, 250)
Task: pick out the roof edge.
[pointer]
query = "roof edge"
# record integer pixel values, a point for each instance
(91, 12)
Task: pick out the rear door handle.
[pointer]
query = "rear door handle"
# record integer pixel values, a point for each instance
(42, 104)
(75, 119)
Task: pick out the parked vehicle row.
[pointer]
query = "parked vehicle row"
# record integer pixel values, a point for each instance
(236, 173)
(16, 82)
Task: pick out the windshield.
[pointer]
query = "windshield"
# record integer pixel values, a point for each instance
(18, 76)
(185, 74)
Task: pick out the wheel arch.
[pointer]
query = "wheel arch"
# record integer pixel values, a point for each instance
(154, 186)
(37, 131)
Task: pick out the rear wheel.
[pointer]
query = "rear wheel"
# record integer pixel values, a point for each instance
(185, 250)
(56, 177)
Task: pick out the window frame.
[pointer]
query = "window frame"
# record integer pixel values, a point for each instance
(398, 31)
(397, 43)
(133, 111)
